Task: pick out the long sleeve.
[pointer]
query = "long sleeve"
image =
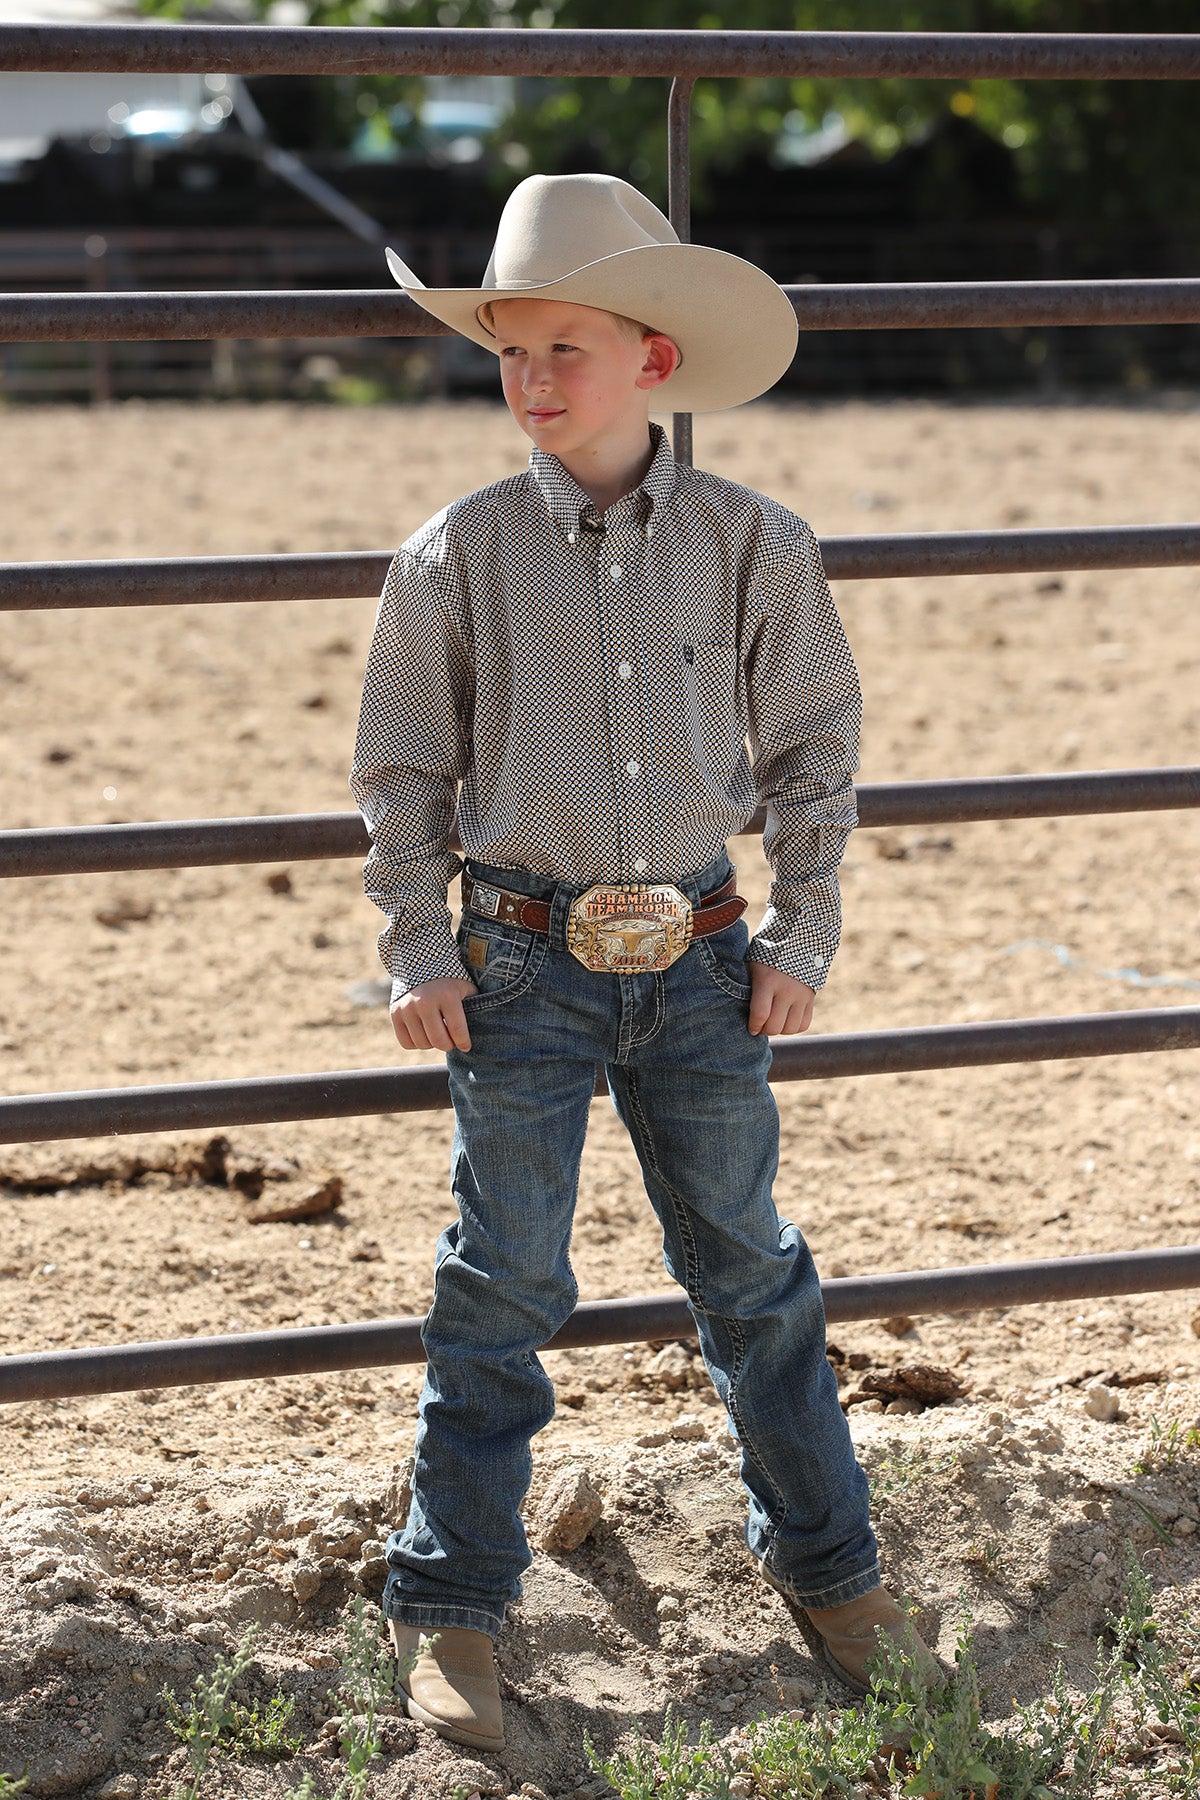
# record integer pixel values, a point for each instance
(806, 713)
(411, 752)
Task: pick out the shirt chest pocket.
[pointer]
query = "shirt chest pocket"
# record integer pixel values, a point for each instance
(712, 683)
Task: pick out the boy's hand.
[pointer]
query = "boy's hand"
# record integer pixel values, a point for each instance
(431, 1016)
(779, 1004)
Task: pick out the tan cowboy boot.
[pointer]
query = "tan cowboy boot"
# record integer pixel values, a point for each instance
(843, 1637)
(452, 1685)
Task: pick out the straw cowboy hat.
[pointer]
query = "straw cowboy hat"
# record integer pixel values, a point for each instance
(595, 241)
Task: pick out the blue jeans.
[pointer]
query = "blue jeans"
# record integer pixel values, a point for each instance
(690, 1084)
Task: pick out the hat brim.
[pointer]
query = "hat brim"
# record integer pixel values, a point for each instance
(735, 327)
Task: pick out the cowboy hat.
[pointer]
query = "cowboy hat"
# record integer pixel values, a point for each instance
(595, 241)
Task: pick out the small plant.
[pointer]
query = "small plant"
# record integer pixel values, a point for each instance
(1147, 1664)
(1164, 1445)
(904, 1466)
(986, 1555)
(11, 1785)
(207, 1714)
(672, 1770)
(818, 1758)
(368, 1676)
(250, 1732)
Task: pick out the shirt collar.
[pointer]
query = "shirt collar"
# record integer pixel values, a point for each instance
(567, 503)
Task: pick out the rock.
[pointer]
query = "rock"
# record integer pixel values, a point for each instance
(669, 1607)
(285, 1200)
(1101, 1403)
(570, 1509)
(795, 1690)
(898, 1326)
(670, 1368)
(306, 1581)
(905, 1404)
(397, 1493)
(120, 1787)
(688, 1428)
(926, 1383)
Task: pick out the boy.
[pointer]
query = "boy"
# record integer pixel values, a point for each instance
(598, 669)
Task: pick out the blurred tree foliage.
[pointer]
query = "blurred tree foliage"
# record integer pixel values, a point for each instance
(1117, 152)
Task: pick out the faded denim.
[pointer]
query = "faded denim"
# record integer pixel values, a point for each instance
(690, 1084)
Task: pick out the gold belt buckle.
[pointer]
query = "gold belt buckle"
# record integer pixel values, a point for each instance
(629, 930)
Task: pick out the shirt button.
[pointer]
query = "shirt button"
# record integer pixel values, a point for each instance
(570, 537)
(615, 571)
(633, 766)
(625, 670)
(640, 866)
(649, 528)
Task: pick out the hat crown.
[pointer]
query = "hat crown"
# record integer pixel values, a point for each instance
(554, 224)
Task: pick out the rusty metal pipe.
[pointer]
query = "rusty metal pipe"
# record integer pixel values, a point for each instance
(354, 574)
(353, 1093)
(379, 1343)
(310, 837)
(407, 50)
(176, 315)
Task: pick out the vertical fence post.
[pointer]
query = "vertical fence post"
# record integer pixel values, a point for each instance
(679, 204)
(95, 248)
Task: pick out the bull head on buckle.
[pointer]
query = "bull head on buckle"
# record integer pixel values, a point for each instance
(629, 930)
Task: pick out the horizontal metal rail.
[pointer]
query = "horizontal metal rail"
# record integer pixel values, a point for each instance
(379, 1343)
(408, 50)
(354, 1093)
(177, 315)
(310, 837)
(355, 574)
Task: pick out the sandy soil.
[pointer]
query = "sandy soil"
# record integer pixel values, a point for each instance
(210, 973)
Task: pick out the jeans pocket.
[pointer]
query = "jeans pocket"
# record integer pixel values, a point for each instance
(723, 958)
(502, 960)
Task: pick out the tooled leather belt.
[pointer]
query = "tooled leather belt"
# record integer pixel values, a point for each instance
(618, 928)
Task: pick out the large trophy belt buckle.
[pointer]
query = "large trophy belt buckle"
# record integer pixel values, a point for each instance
(629, 930)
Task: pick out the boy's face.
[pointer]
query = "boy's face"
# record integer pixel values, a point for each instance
(573, 378)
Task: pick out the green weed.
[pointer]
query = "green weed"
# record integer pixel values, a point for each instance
(672, 1770)
(1163, 1445)
(1152, 1673)
(11, 1785)
(368, 1677)
(207, 1714)
(904, 1466)
(986, 1555)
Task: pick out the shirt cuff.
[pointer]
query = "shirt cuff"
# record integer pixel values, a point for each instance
(797, 942)
(429, 956)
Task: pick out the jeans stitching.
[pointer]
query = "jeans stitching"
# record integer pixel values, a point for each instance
(478, 1003)
(735, 990)
(659, 1015)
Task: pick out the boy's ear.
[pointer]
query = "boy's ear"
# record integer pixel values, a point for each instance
(661, 359)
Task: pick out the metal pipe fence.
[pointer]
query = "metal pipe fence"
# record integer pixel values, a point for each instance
(411, 50)
(379, 1343)
(175, 315)
(683, 57)
(357, 574)
(357, 1093)
(311, 837)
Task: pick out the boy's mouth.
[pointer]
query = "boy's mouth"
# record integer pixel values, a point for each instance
(541, 413)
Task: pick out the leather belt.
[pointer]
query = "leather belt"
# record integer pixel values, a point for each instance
(715, 912)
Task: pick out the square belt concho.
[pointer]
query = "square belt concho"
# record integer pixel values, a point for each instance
(617, 928)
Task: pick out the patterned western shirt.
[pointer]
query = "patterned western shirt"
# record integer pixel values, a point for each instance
(606, 699)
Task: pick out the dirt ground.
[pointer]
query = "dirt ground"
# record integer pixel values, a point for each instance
(224, 972)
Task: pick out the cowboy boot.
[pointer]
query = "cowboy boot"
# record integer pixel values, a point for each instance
(452, 1684)
(844, 1637)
